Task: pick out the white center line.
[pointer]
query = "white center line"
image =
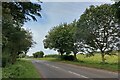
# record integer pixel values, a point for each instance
(77, 74)
(65, 70)
(55, 66)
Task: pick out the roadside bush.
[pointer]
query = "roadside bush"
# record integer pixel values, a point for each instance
(68, 57)
(39, 54)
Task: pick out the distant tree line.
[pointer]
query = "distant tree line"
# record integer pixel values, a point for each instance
(97, 30)
(16, 39)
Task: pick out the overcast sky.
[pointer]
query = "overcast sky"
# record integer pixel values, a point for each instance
(54, 13)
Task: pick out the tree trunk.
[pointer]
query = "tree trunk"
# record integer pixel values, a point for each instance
(13, 59)
(75, 57)
(103, 57)
(60, 55)
(14, 56)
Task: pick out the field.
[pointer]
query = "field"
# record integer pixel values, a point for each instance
(93, 61)
(113, 59)
(21, 69)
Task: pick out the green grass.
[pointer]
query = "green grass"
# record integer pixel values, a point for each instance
(21, 69)
(93, 61)
(48, 58)
(97, 58)
(0, 73)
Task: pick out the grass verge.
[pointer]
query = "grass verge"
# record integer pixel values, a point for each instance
(21, 69)
(0, 73)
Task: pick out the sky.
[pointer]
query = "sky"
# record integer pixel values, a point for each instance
(53, 14)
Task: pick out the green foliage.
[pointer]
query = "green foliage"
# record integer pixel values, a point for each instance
(22, 55)
(98, 30)
(113, 59)
(117, 7)
(21, 11)
(21, 69)
(15, 39)
(38, 54)
(68, 57)
(61, 38)
(18, 40)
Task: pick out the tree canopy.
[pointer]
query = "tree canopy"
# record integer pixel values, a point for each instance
(15, 39)
(61, 39)
(117, 7)
(98, 30)
(21, 12)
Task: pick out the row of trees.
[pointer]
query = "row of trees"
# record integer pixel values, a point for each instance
(61, 38)
(39, 54)
(97, 30)
(16, 39)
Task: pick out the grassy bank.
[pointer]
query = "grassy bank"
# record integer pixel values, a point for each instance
(93, 61)
(21, 69)
(0, 73)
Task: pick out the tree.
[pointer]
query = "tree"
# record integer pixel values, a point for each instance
(15, 39)
(22, 55)
(18, 41)
(73, 29)
(61, 38)
(21, 11)
(38, 54)
(117, 7)
(98, 30)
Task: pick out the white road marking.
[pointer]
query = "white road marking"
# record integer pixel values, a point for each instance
(77, 74)
(36, 61)
(65, 70)
(55, 66)
(51, 65)
(47, 64)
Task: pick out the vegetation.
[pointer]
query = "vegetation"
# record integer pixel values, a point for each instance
(61, 38)
(38, 54)
(98, 30)
(15, 39)
(58, 57)
(21, 69)
(22, 55)
(117, 7)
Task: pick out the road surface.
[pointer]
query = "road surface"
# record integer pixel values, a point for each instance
(49, 69)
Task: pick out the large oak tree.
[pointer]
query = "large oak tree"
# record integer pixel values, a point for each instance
(98, 30)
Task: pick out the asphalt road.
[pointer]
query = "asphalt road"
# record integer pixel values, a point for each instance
(49, 69)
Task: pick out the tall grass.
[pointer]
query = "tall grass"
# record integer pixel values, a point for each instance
(113, 59)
